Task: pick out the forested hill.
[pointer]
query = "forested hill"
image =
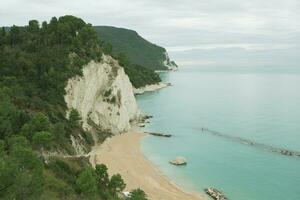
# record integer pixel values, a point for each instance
(36, 62)
(138, 50)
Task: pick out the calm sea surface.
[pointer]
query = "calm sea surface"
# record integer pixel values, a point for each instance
(260, 106)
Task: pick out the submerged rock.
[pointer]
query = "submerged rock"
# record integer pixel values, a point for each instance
(179, 161)
(159, 134)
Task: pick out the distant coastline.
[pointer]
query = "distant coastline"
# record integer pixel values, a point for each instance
(150, 88)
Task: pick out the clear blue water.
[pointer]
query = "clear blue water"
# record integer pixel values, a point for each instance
(261, 106)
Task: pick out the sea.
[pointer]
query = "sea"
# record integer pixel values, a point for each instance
(258, 106)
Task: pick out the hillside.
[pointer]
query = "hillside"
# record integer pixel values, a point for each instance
(43, 143)
(138, 50)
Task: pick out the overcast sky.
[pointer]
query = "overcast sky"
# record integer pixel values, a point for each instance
(190, 26)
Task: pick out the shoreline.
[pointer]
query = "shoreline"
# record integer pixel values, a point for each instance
(150, 88)
(122, 154)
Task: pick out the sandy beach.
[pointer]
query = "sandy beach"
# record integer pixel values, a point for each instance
(122, 155)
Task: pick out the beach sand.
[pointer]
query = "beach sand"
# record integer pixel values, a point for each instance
(122, 154)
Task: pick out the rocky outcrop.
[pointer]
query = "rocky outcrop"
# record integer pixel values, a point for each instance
(103, 95)
(169, 64)
(215, 194)
(159, 134)
(150, 88)
(78, 145)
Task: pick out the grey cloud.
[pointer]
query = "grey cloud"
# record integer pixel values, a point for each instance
(177, 23)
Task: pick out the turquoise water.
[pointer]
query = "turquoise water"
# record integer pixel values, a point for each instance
(261, 106)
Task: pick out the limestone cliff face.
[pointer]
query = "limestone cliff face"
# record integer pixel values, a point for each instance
(103, 95)
(169, 64)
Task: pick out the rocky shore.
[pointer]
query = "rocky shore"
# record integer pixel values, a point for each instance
(215, 194)
(150, 88)
(159, 134)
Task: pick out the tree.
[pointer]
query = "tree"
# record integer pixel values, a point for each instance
(137, 194)
(33, 26)
(102, 175)
(2, 36)
(74, 118)
(86, 183)
(2, 148)
(8, 117)
(116, 183)
(107, 48)
(123, 60)
(14, 35)
(39, 122)
(42, 139)
(59, 131)
(21, 174)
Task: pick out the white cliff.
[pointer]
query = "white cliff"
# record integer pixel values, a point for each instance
(103, 95)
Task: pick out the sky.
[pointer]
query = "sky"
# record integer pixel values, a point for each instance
(195, 32)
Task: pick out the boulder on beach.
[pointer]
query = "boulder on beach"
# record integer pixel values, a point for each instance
(179, 160)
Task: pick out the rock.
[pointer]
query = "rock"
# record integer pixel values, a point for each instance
(143, 119)
(91, 95)
(159, 134)
(150, 88)
(179, 161)
(215, 194)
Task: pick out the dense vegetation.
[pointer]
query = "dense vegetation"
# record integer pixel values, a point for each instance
(138, 50)
(138, 74)
(35, 63)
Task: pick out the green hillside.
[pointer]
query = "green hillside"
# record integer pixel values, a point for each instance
(36, 62)
(138, 50)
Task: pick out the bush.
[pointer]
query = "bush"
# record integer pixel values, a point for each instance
(116, 183)
(137, 194)
(86, 183)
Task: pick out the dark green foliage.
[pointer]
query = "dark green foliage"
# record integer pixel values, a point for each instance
(8, 117)
(138, 50)
(138, 75)
(60, 178)
(116, 183)
(20, 171)
(137, 194)
(38, 123)
(138, 57)
(35, 63)
(102, 175)
(59, 131)
(42, 139)
(86, 183)
(74, 118)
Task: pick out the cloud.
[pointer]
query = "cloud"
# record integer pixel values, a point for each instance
(254, 25)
